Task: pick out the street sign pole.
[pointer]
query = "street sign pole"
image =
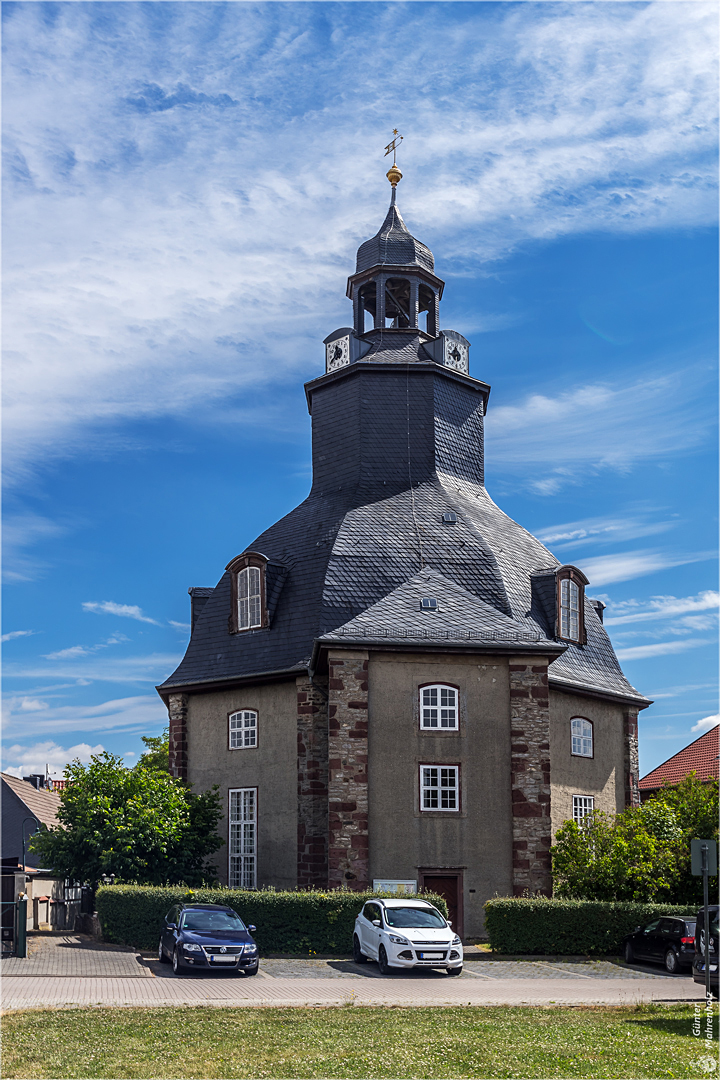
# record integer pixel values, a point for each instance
(703, 860)
(706, 920)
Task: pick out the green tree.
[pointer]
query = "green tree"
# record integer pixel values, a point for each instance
(140, 824)
(611, 857)
(157, 754)
(642, 853)
(693, 806)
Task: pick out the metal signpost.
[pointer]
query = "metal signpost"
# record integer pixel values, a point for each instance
(703, 854)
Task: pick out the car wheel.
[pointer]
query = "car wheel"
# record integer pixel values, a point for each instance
(629, 953)
(177, 970)
(671, 962)
(358, 955)
(454, 971)
(383, 965)
(161, 954)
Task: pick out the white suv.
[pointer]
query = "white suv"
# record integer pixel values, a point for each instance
(406, 934)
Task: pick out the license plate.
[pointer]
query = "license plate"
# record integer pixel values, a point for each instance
(223, 959)
(431, 956)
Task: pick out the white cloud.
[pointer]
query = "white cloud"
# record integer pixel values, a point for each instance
(629, 526)
(141, 713)
(24, 760)
(661, 607)
(127, 611)
(153, 668)
(184, 626)
(159, 195)
(16, 634)
(595, 427)
(707, 724)
(22, 531)
(664, 648)
(606, 569)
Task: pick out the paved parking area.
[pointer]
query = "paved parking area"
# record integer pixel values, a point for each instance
(85, 972)
(75, 955)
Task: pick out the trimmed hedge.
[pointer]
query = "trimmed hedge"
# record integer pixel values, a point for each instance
(287, 922)
(567, 927)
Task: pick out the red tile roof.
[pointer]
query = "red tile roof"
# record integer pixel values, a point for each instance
(700, 756)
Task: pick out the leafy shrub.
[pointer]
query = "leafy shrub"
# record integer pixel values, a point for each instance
(567, 927)
(642, 853)
(287, 922)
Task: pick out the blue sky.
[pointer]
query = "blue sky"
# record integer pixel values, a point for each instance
(185, 188)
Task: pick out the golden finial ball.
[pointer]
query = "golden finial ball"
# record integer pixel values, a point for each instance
(394, 175)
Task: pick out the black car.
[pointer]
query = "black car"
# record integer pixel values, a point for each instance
(669, 941)
(699, 959)
(207, 937)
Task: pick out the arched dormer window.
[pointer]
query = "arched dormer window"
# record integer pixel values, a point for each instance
(249, 604)
(571, 584)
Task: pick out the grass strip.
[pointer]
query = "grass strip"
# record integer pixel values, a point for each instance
(652, 1041)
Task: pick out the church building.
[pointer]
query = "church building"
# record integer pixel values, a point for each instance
(396, 682)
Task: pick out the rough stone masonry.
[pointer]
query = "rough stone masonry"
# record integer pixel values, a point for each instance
(530, 775)
(348, 770)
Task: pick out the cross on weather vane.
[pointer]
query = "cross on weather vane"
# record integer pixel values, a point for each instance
(391, 147)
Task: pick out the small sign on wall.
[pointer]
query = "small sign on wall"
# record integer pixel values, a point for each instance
(394, 886)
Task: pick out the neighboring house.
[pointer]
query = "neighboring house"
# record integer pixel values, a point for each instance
(22, 800)
(700, 757)
(397, 681)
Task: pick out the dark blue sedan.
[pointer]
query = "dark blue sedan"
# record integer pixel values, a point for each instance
(208, 937)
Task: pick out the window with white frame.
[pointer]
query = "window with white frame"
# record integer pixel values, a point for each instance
(249, 598)
(243, 729)
(439, 787)
(583, 806)
(439, 707)
(569, 609)
(242, 838)
(581, 737)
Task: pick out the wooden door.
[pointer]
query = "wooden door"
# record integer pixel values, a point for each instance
(449, 886)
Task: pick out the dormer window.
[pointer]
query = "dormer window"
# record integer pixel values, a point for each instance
(571, 584)
(249, 610)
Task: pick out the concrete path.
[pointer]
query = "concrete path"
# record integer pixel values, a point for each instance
(74, 970)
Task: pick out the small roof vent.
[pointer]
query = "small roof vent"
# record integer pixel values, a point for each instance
(428, 603)
(449, 518)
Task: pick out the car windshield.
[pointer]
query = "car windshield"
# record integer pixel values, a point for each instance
(412, 916)
(211, 920)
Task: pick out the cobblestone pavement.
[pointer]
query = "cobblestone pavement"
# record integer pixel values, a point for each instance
(24, 993)
(85, 972)
(75, 955)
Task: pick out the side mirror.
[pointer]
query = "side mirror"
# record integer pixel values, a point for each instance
(252, 928)
(376, 922)
(171, 926)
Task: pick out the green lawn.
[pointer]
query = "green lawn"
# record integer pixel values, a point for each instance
(642, 1041)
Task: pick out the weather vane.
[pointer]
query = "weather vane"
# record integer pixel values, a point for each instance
(391, 147)
(393, 174)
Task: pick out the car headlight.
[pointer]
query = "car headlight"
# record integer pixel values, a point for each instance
(190, 946)
(456, 940)
(398, 940)
(250, 948)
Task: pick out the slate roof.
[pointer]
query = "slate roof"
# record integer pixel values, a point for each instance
(700, 756)
(459, 619)
(44, 805)
(393, 245)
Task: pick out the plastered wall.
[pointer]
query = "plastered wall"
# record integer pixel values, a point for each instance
(271, 767)
(478, 839)
(600, 776)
